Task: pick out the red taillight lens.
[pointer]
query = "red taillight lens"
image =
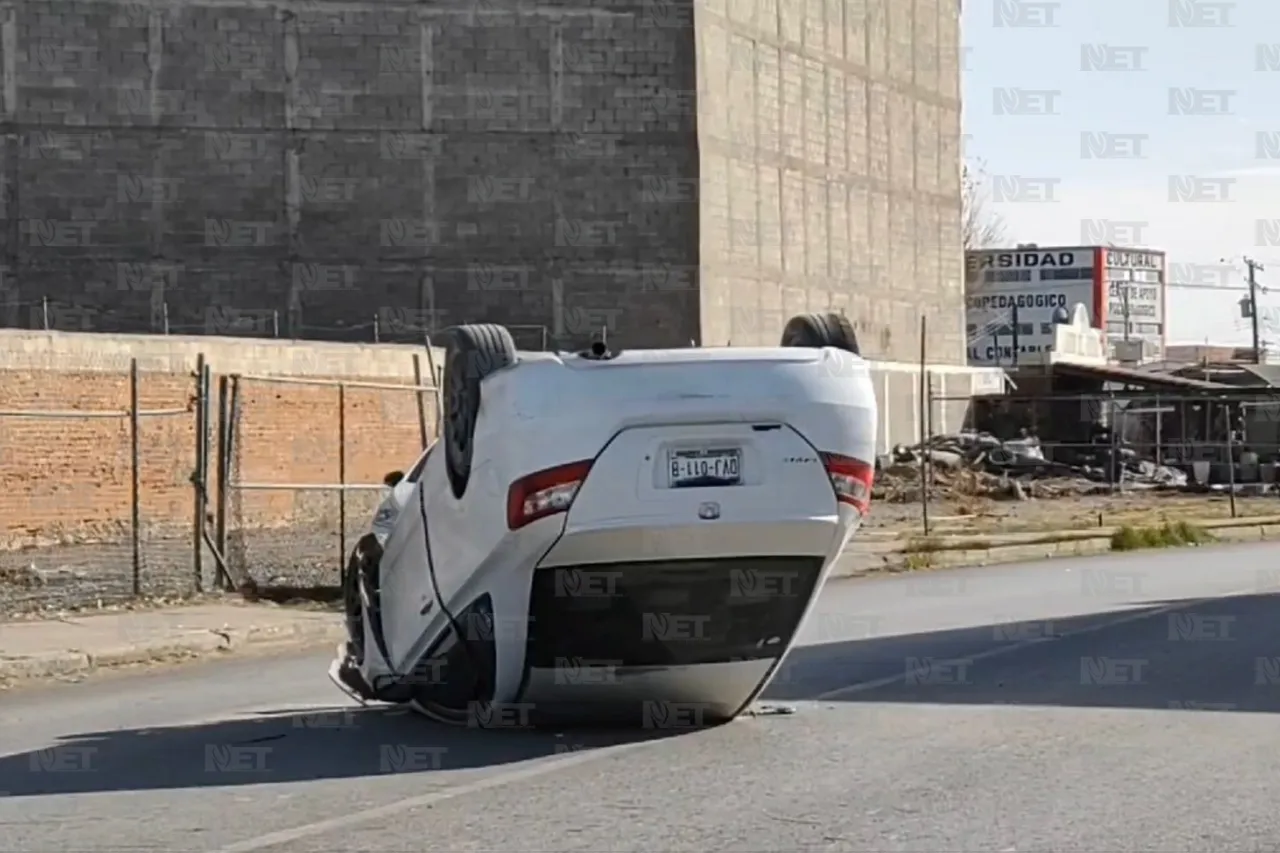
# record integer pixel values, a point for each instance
(852, 479)
(544, 493)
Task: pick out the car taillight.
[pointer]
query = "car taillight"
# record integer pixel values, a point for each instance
(852, 479)
(544, 493)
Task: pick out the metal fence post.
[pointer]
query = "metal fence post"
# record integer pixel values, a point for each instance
(924, 420)
(199, 477)
(1159, 431)
(233, 428)
(1231, 458)
(237, 473)
(422, 404)
(135, 489)
(220, 498)
(342, 477)
(1113, 449)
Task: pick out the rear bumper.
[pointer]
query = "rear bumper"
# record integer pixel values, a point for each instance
(817, 537)
(702, 635)
(653, 697)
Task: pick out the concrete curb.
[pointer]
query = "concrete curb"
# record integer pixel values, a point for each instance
(326, 631)
(296, 636)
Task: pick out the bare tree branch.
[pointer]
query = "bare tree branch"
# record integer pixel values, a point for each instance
(981, 228)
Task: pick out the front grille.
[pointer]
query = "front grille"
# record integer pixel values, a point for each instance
(669, 613)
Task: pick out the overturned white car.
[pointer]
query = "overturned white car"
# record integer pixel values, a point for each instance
(600, 534)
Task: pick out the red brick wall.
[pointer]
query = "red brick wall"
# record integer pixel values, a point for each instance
(68, 479)
(290, 434)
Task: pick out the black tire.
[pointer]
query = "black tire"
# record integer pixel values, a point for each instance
(821, 330)
(352, 607)
(362, 573)
(474, 352)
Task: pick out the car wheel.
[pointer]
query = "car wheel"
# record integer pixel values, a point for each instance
(353, 607)
(821, 330)
(474, 352)
(363, 580)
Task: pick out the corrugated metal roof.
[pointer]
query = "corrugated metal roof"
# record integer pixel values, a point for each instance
(1234, 374)
(1110, 373)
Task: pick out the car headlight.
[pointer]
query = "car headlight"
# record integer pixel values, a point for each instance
(384, 516)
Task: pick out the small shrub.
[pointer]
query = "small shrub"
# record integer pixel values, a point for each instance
(919, 561)
(1129, 538)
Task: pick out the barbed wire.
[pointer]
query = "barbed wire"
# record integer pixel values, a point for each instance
(388, 324)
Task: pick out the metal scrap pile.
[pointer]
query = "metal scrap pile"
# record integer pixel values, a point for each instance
(973, 464)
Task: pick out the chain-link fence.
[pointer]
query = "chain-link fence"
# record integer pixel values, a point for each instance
(122, 484)
(97, 497)
(1095, 443)
(301, 470)
(388, 324)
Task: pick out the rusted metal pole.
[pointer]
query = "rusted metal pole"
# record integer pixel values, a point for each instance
(135, 486)
(924, 420)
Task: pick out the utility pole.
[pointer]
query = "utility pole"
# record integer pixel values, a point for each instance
(1125, 296)
(1254, 268)
(1015, 334)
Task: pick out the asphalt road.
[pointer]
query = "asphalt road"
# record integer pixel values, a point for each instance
(1117, 704)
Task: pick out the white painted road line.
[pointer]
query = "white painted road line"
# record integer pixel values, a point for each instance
(285, 836)
(1138, 616)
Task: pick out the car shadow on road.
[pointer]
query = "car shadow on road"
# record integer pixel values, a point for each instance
(286, 745)
(1221, 654)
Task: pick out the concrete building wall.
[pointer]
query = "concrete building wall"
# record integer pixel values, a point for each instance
(241, 166)
(320, 169)
(829, 135)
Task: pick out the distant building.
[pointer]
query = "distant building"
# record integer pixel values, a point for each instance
(1123, 292)
(1184, 354)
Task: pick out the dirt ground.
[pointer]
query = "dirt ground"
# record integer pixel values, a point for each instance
(968, 514)
(99, 575)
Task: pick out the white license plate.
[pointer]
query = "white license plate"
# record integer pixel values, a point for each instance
(690, 468)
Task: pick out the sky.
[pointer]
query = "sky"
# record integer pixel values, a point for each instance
(1138, 122)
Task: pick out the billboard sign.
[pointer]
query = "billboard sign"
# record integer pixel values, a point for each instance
(1035, 285)
(1136, 289)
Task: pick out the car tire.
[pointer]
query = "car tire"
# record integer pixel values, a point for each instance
(361, 577)
(352, 606)
(821, 330)
(474, 353)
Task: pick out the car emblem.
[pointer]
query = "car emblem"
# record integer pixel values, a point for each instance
(709, 511)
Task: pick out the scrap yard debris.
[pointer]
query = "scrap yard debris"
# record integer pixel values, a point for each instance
(973, 464)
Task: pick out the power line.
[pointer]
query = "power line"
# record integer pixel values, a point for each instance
(1188, 286)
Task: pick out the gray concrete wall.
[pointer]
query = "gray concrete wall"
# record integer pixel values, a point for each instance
(829, 135)
(232, 167)
(318, 165)
(71, 352)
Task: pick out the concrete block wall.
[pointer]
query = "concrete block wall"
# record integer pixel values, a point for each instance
(315, 167)
(829, 136)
